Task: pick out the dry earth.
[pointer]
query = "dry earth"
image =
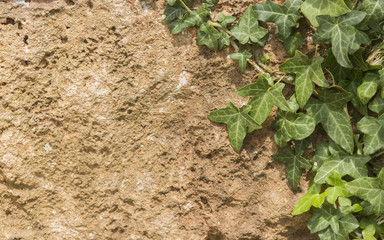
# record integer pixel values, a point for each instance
(104, 131)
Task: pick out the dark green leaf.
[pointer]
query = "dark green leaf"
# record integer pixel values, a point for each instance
(294, 164)
(238, 122)
(338, 72)
(374, 133)
(368, 88)
(264, 98)
(292, 43)
(209, 3)
(321, 154)
(351, 86)
(374, 10)
(285, 17)
(172, 13)
(208, 36)
(248, 29)
(369, 189)
(225, 20)
(307, 72)
(242, 57)
(292, 126)
(314, 8)
(341, 33)
(344, 164)
(328, 111)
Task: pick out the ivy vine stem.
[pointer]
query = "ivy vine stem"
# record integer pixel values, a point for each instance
(185, 6)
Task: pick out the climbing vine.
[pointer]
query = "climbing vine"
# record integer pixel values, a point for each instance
(338, 97)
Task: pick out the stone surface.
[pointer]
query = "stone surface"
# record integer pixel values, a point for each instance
(104, 131)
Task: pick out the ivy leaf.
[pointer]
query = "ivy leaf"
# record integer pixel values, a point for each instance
(311, 198)
(238, 122)
(292, 126)
(374, 133)
(374, 10)
(172, 13)
(264, 98)
(171, 2)
(338, 72)
(328, 111)
(242, 57)
(352, 165)
(196, 18)
(225, 20)
(248, 29)
(285, 17)
(352, 86)
(208, 36)
(209, 3)
(307, 73)
(369, 189)
(369, 232)
(368, 88)
(377, 105)
(292, 43)
(313, 8)
(331, 224)
(381, 82)
(321, 154)
(338, 190)
(341, 33)
(294, 163)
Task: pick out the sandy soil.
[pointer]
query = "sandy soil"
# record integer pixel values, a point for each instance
(104, 131)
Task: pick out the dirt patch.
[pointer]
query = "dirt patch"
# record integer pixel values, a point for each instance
(104, 131)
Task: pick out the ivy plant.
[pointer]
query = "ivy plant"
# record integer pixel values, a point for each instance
(337, 96)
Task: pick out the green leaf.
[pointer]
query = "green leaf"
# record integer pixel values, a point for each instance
(285, 17)
(171, 2)
(341, 33)
(311, 198)
(195, 18)
(209, 3)
(208, 36)
(292, 43)
(292, 103)
(338, 190)
(369, 232)
(344, 164)
(372, 220)
(313, 8)
(294, 164)
(374, 133)
(338, 72)
(331, 224)
(369, 189)
(374, 10)
(352, 86)
(301, 145)
(321, 154)
(292, 126)
(172, 13)
(242, 57)
(328, 111)
(225, 20)
(248, 29)
(368, 88)
(381, 82)
(264, 98)
(307, 72)
(238, 122)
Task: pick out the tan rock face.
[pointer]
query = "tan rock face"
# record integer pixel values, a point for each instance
(104, 131)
